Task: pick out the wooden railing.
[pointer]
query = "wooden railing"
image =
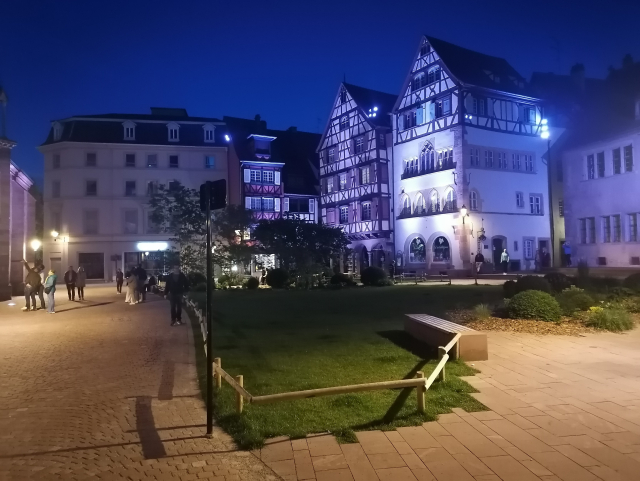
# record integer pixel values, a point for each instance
(419, 382)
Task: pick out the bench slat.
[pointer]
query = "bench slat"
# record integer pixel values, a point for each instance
(440, 323)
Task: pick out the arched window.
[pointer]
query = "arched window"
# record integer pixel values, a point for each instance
(434, 205)
(427, 158)
(406, 206)
(441, 250)
(434, 74)
(419, 81)
(417, 251)
(450, 201)
(473, 200)
(420, 207)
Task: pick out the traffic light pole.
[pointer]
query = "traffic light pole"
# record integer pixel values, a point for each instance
(209, 322)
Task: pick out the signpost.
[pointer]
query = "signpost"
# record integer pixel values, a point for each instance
(213, 195)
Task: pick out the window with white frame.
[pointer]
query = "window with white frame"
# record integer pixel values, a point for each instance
(479, 106)
(129, 131)
(268, 203)
(527, 248)
(343, 181)
(528, 163)
(591, 167)
(364, 175)
(209, 162)
(530, 115)
(600, 164)
(502, 160)
(591, 230)
(434, 74)
(56, 161)
(418, 81)
(344, 214)
(359, 145)
(91, 160)
(57, 132)
(330, 186)
(617, 161)
(332, 155)
(344, 122)
(628, 158)
(209, 132)
(267, 176)
(617, 228)
(519, 199)
(535, 204)
(256, 176)
(255, 203)
(488, 159)
(515, 158)
(633, 227)
(443, 106)
(152, 161)
(473, 200)
(366, 211)
(606, 229)
(130, 221)
(173, 133)
(55, 189)
(475, 158)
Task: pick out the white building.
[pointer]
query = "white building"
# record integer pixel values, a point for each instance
(602, 205)
(98, 173)
(355, 174)
(467, 132)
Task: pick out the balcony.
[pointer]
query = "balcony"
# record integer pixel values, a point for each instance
(416, 171)
(447, 207)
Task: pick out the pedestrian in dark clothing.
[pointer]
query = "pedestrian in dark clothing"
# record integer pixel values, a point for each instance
(175, 287)
(479, 260)
(119, 281)
(141, 274)
(32, 283)
(70, 278)
(81, 281)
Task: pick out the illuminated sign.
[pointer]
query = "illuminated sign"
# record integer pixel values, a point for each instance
(152, 246)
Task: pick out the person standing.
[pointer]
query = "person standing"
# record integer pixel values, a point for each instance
(567, 253)
(32, 284)
(504, 260)
(50, 290)
(41, 273)
(177, 284)
(81, 282)
(70, 278)
(132, 289)
(479, 260)
(119, 280)
(142, 277)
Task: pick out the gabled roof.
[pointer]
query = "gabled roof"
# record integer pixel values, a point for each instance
(479, 69)
(368, 99)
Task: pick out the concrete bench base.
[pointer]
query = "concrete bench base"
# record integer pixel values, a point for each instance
(436, 332)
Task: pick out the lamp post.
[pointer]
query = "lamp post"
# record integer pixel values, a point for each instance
(544, 134)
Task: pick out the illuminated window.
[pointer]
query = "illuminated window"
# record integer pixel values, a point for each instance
(344, 214)
(366, 211)
(209, 162)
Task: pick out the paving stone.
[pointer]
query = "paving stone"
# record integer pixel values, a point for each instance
(418, 437)
(518, 437)
(413, 461)
(375, 442)
(472, 464)
(386, 460)
(563, 467)
(335, 475)
(323, 445)
(471, 439)
(508, 469)
(442, 465)
(329, 462)
(395, 474)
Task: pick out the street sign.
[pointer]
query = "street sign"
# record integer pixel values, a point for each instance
(217, 191)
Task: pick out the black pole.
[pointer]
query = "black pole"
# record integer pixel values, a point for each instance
(551, 223)
(209, 315)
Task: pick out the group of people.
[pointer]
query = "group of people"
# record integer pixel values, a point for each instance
(75, 280)
(36, 282)
(137, 282)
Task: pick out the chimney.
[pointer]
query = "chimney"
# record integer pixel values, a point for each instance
(261, 125)
(577, 76)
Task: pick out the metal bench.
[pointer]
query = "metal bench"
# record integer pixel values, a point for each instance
(415, 275)
(436, 332)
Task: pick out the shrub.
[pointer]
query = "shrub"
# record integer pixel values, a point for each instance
(534, 305)
(252, 283)
(481, 312)
(277, 278)
(229, 280)
(599, 284)
(574, 299)
(558, 281)
(373, 276)
(583, 269)
(632, 282)
(510, 289)
(341, 279)
(533, 283)
(199, 287)
(619, 293)
(196, 278)
(610, 319)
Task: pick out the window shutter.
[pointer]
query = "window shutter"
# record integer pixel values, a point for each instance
(420, 115)
(247, 176)
(432, 110)
(247, 200)
(276, 177)
(276, 203)
(401, 122)
(286, 205)
(312, 205)
(331, 216)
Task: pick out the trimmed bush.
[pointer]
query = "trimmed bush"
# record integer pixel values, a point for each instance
(632, 282)
(277, 278)
(574, 299)
(610, 319)
(534, 305)
(252, 283)
(533, 283)
(510, 289)
(373, 276)
(481, 312)
(341, 279)
(558, 281)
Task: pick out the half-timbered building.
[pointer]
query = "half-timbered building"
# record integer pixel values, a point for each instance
(467, 140)
(355, 174)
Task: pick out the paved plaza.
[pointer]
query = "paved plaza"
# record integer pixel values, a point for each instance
(106, 390)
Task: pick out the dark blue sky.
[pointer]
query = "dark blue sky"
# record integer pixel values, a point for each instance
(281, 58)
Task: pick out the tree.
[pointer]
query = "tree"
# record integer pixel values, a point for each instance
(300, 245)
(233, 246)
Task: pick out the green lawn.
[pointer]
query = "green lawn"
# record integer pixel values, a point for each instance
(294, 340)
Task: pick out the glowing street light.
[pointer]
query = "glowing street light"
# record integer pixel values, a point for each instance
(234, 268)
(35, 244)
(54, 234)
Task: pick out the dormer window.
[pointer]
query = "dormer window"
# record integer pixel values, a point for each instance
(57, 131)
(344, 123)
(419, 81)
(434, 74)
(129, 131)
(209, 131)
(173, 132)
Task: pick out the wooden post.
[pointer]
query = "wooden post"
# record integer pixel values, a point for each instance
(239, 398)
(217, 375)
(441, 353)
(420, 390)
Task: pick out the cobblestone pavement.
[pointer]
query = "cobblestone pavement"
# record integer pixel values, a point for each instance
(563, 408)
(104, 390)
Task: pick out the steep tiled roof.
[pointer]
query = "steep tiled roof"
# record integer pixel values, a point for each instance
(368, 99)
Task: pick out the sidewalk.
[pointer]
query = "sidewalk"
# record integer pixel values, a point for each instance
(104, 390)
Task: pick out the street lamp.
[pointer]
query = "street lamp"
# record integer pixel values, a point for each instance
(35, 244)
(463, 212)
(544, 134)
(55, 234)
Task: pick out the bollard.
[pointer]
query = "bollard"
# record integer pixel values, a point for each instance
(217, 375)
(420, 390)
(239, 398)
(441, 352)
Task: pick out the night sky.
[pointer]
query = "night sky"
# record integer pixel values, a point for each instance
(282, 59)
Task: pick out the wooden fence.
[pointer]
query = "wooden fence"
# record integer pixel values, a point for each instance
(419, 382)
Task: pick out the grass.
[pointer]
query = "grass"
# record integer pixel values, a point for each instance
(295, 340)
(610, 319)
(482, 311)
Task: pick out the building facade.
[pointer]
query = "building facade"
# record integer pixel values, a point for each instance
(99, 171)
(467, 140)
(602, 207)
(355, 175)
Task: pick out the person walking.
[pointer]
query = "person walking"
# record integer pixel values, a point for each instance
(177, 284)
(50, 291)
(70, 278)
(132, 289)
(119, 280)
(81, 282)
(142, 288)
(567, 253)
(504, 260)
(32, 284)
(479, 260)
